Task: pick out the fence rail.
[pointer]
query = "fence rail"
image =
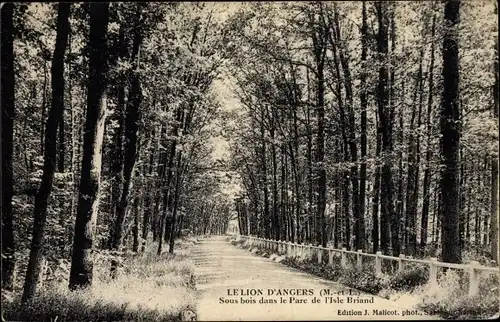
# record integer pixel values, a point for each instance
(304, 250)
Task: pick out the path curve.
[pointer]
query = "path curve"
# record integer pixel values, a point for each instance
(222, 270)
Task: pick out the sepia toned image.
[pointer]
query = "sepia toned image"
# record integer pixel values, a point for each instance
(250, 161)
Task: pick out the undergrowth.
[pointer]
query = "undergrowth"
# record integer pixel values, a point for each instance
(148, 288)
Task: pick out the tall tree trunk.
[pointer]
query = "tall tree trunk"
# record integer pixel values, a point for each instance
(266, 221)
(149, 197)
(137, 224)
(8, 115)
(117, 148)
(275, 222)
(494, 172)
(376, 195)
(428, 153)
(88, 201)
(54, 118)
(178, 176)
(413, 166)
(450, 137)
(359, 224)
(319, 56)
(132, 116)
(364, 105)
(167, 186)
(388, 227)
(44, 106)
(62, 147)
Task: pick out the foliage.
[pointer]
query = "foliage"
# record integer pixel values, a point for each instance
(143, 292)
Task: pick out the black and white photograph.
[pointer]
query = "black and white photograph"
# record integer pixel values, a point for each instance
(250, 161)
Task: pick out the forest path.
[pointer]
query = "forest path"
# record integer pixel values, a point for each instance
(221, 267)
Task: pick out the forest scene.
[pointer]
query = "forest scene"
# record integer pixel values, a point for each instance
(131, 131)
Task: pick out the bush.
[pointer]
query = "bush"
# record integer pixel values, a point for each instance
(362, 280)
(449, 297)
(147, 288)
(409, 279)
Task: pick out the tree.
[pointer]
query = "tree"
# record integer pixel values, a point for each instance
(50, 153)
(131, 135)
(319, 48)
(8, 115)
(386, 119)
(450, 137)
(494, 169)
(364, 106)
(89, 192)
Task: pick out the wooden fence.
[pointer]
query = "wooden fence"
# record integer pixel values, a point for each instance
(303, 251)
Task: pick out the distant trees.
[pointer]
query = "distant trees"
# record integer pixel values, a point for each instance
(353, 89)
(131, 104)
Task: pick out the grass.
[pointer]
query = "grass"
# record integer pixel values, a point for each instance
(147, 288)
(448, 298)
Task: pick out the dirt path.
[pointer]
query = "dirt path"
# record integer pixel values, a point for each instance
(226, 272)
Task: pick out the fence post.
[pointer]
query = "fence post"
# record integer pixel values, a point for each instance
(473, 278)
(359, 259)
(433, 271)
(320, 255)
(378, 263)
(343, 259)
(401, 264)
(330, 256)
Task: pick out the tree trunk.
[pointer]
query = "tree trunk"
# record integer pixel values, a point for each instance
(8, 115)
(132, 116)
(413, 167)
(319, 56)
(148, 198)
(44, 106)
(494, 172)
(276, 221)
(166, 197)
(376, 195)
(117, 148)
(359, 224)
(178, 176)
(266, 222)
(450, 139)
(428, 153)
(388, 226)
(364, 105)
(88, 201)
(50, 153)
(137, 224)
